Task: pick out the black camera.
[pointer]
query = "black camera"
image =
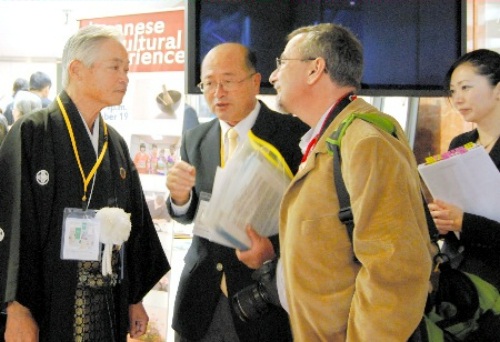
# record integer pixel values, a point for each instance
(254, 300)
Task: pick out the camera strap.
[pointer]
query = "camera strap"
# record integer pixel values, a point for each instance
(334, 143)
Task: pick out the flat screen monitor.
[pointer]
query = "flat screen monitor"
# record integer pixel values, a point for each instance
(408, 45)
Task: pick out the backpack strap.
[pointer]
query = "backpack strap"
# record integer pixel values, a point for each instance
(334, 143)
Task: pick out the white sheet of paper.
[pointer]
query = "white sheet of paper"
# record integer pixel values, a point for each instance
(469, 181)
(247, 190)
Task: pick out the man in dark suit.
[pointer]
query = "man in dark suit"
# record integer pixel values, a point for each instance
(40, 84)
(212, 272)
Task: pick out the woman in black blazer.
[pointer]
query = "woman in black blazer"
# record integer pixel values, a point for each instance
(474, 84)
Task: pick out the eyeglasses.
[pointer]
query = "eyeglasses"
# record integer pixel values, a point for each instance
(228, 85)
(279, 61)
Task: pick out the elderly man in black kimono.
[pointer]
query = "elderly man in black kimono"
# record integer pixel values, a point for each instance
(61, 166)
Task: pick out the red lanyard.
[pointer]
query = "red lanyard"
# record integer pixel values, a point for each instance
(312, 143)
(310, 146)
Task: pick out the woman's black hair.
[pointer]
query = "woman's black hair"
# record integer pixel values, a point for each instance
(486, 62)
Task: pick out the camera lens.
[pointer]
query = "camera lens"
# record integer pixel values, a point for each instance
(250, 303)
(254, 300)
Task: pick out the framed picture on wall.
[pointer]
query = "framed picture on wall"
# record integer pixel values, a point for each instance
(154, 155)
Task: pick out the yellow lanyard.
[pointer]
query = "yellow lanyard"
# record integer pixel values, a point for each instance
(86, 180)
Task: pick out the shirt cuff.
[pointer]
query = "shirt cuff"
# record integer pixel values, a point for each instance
(179, 210)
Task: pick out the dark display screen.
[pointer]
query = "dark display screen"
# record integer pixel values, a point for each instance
(408, 45)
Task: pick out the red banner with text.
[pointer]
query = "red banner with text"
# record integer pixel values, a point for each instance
(154, 41)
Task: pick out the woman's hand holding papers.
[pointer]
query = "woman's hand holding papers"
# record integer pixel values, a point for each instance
(447, 217)
(180, 180)
(260, 251)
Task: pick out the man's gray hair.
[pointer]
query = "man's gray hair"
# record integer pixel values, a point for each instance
(339, 47)
(82, 45)
(26, 102)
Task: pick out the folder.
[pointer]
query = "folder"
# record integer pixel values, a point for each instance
(465, 177)
(248, 190)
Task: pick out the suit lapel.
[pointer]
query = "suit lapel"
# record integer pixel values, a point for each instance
(264, 125)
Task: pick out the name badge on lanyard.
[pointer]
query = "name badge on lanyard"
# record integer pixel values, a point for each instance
(80, 235)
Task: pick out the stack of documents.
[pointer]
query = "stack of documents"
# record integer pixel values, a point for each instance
(248, 190)
(465, 177)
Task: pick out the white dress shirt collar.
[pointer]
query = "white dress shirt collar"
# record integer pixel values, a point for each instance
(243, 126)
(310, 134)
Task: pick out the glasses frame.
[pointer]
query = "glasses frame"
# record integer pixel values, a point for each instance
(279, 61)
(221, 83)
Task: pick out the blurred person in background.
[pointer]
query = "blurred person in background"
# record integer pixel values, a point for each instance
(40, 84)
(19, 84)
(4, 128)
(25, 102)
